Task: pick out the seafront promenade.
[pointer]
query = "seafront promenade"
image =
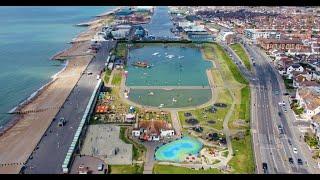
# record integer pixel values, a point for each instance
(22, 138)
(19, 141)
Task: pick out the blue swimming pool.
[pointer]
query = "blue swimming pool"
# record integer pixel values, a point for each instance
(176, 151)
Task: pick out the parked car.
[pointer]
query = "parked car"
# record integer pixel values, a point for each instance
(300, 162)
(280, 129)
(295, 150)
(291, 160)
(100, 167)
(265, 168)
(289, 141)
(61, 122)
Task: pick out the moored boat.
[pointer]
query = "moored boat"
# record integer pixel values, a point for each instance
(140, 64)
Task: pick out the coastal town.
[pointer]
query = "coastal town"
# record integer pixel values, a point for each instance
(177, 90)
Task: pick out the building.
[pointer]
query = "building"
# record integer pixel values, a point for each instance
(279, 44)
(295, 67)
(309, 99)
(200, 36)
(153, 130)
(255, 34)
(226, 36)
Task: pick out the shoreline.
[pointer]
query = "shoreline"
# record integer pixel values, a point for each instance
(28, 100)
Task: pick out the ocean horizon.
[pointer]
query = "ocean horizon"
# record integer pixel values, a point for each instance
(30, 36)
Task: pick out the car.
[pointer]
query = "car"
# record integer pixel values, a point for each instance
(265, 168)
(295, 150)
(289, 142)
(300, 162)
(279, 113)
(89, 73)
(280, 129)
(276, 92)
(100, 167)
(61, 122)
(286, 94)
(291, 160)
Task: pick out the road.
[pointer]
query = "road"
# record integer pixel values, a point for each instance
(49, 155)
(270, 146)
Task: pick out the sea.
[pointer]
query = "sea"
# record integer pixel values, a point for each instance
(29, 37)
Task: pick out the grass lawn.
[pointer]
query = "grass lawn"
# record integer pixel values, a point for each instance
(121, 50)
(138, 149)
(245, 104)
(116, 80)
(222, 57)
(126, 169)
(243, 161)
(238, 49)
(223, 97)
(106, 76)
(169, 169)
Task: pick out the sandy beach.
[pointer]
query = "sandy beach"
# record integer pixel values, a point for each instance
(19, 140)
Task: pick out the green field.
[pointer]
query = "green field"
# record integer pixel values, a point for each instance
(221, 55)
(238, 49)
(121, 50)
(106, 76)
(228, 77)
(243, 162)
(169, 169)
(116, 80)
(126, 169)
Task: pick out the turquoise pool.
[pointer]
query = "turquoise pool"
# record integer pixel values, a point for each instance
(177, 151)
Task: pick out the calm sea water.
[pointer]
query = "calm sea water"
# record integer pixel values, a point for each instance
(29, 36)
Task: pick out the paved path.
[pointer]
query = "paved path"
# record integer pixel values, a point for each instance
(176, 123)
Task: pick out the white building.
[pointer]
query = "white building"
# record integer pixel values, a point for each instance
(294, 67)
(309, 99)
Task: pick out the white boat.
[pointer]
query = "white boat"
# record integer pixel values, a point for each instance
(151, 94)
(181, 57)
(161, 105)
(156, 53)
(170, 56)
(174, 100)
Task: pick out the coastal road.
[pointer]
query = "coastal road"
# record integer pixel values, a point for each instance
(270, 145)
(49, 155)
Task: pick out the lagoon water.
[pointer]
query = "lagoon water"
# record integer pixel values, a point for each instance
(160, 23)
(29, 37)
(175, 65)
(171, 66)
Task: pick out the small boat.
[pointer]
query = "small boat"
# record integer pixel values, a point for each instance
(161, 105)
(181, 57)
(151, 94)
(174, 100)
(156, 53)
(170, 56)
(140, 64)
